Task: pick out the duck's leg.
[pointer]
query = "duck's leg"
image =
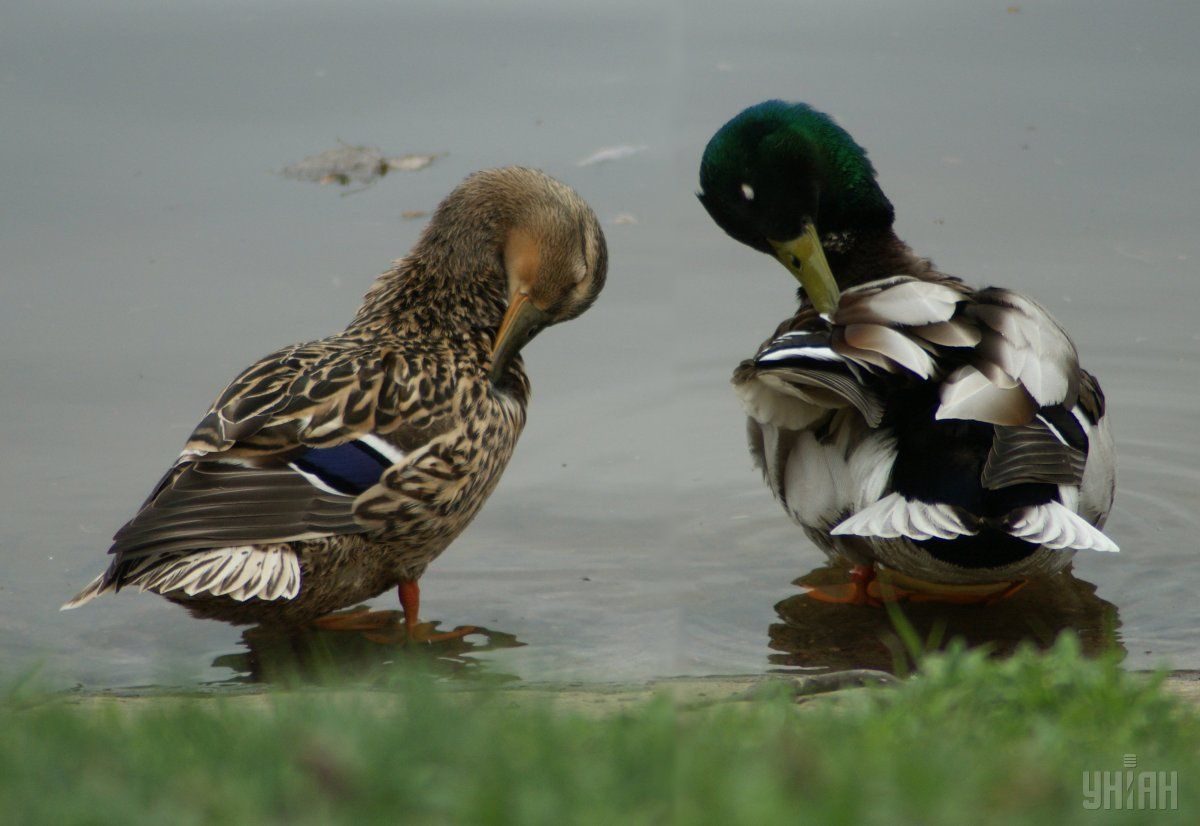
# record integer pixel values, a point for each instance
(417, 631)
(384, 626)
(855, 592)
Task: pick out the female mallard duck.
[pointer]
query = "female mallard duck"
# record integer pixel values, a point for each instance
(330, 471)
(941, 437)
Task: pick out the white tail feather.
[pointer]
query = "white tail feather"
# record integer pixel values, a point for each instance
(240, 572)
(1058, 528)
(90, 591)
(894, 516)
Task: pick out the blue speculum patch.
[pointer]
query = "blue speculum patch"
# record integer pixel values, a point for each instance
(350, 468)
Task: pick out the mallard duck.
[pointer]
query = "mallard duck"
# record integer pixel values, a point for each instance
(940, 438)
(330, 471)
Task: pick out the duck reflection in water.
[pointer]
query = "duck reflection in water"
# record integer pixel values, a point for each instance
(816, 634)
(315, 655)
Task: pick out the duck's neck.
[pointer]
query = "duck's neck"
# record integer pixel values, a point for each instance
(857, 257)
(454, 277)
(421, 290)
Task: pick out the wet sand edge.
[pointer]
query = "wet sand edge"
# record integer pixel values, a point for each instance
(588, 698)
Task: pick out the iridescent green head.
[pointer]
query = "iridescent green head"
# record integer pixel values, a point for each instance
(780, 175)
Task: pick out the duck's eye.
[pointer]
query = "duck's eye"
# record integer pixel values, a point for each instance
(796, 262)
(748, 192)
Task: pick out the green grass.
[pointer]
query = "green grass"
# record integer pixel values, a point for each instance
(966, 740)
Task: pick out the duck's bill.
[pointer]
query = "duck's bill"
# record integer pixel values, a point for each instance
(521, 322)
(805, 259)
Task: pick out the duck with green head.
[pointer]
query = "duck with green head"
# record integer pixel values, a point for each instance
(940, 438)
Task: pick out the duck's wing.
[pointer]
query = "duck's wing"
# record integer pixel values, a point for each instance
(897, 330)
(319, 395)
(1024, 378)
(994, 356)
(991, 357)
(289, 447)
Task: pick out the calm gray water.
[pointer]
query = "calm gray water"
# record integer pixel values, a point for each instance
(149, 252)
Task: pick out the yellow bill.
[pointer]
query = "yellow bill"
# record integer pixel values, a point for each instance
(805, 259)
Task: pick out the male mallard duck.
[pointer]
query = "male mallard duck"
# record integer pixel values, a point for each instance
(943, 433)
(330, 471)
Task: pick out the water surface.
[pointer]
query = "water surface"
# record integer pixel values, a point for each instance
(151, 251)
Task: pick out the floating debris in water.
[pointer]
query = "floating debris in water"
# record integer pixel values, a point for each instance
(349, 164)
(413, 214)
(622, 218)
(411, 163)
(611, 153)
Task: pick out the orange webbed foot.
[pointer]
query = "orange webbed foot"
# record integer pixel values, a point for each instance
(896, 587)
(386, 628)
(877, 588)
(855, 592)
(422, 632)
(357, 619)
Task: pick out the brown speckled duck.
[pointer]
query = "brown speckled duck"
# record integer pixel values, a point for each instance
(942, 439)
(330, 471)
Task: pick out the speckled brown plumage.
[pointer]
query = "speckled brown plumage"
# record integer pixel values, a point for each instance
(330, 471)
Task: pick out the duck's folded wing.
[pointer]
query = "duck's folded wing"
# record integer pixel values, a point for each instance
(1024, 378)
(994, 357)
(1023, 362)
(882, 333)
(319, 395)
(212, 503)
(1043, 451)
(802, 367)
(284, 453)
